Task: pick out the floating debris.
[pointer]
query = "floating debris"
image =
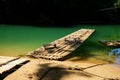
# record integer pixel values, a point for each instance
(110, 43)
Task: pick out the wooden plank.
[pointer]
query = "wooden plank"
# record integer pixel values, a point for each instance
(65, 45)
(11, 64)
(4, 60)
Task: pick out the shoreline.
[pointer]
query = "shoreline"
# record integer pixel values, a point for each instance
(72, 59)
(40, 69)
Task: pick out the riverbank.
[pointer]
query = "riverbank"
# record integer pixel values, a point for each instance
(40, 69)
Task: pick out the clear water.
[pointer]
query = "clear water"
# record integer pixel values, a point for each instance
(19, 40)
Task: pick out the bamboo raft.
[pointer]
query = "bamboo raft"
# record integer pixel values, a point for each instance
(8, 63)
(110, 43)
(63, 46)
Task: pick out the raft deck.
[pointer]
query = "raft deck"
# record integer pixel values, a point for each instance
(63, 46)
(8, 63)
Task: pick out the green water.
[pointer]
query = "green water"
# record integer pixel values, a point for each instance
(19, 40)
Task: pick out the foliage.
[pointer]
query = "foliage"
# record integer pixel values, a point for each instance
(117, 3)
(53, 11)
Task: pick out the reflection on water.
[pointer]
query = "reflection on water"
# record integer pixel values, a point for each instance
(117, 53)
(117, 61)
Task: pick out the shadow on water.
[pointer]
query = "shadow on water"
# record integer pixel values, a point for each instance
(89, 49)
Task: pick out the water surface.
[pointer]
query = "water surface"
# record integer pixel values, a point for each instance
(19, 40)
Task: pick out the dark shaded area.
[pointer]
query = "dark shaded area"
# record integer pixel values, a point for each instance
(84, 51)
(58, 12)
(87, 50)
(3, 75)
(57, 72)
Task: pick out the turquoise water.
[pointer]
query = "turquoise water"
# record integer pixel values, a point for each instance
(19, 40)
